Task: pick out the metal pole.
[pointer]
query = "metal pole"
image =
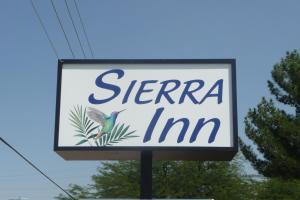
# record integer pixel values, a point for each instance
(146, 175)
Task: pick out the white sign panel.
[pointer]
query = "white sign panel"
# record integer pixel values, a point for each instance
(172, 107)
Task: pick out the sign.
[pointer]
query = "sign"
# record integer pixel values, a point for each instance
(178, 109)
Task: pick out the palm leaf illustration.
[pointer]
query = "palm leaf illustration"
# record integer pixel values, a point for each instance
(87, 130)
(117, 135)
(82, 124)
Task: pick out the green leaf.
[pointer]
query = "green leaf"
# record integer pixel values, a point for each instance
(124, 131)
(89, 131)
(121, 128)
(101, 140)
(117, 135)
(104, 139)
(81, 122)
(131, 136)
(92, 136)
(114, 131)
(79, 129)
(89, 124)
(128, 134)
(80, 135)
(82, 141)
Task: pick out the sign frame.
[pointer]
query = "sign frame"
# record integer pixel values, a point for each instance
(159, 153)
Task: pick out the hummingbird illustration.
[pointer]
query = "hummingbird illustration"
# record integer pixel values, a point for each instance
(107, 122)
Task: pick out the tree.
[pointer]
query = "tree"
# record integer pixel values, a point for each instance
(171, 179)
(274, 189)
(275, 131)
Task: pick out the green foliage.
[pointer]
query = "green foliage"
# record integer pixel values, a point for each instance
(82, 124)
(275, 132)
(277, 189)
(76, 191)
(85, 129)
(171, 179)
(197, 179)
(115, 136)
(286, 75)
(117, 180)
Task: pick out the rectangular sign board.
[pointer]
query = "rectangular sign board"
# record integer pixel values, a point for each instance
(178, 109)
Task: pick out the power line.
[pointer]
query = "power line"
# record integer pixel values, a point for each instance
(74, 26)
(84, 30)
(44, 28)
(62, 28)
(36, 168)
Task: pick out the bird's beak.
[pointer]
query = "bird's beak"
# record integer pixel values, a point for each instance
(121, 111)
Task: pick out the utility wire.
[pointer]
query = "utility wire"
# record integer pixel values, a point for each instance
(83, 27)
(74, 26)
(62, 28)
(44, 28)
(36, 168)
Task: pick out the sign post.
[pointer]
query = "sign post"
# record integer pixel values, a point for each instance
(146, 175)
(167, 109)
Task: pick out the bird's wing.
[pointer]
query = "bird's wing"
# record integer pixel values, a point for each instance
(96, 115)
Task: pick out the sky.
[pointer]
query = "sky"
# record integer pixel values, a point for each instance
(256, 33)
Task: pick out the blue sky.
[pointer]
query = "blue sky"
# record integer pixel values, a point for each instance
(256, 33)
